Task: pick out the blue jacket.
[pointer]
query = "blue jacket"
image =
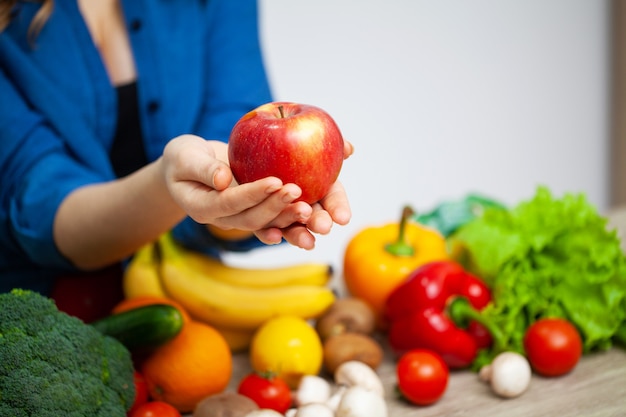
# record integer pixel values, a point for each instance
(199, 68)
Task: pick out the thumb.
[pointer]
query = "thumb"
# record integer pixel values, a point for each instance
(221, 175)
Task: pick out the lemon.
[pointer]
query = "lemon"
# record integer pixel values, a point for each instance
(287, 346)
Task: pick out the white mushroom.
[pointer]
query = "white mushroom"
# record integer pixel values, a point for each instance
(335, 398)
(359, 402)
(312, 389)
(356, 373)
(314, 410)
(509, 374)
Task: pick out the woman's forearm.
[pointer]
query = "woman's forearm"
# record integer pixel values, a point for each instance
(99, 224)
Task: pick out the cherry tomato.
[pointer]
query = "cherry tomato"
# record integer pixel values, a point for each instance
(156, 409)
(267, 391)
(553, 346)
(422, 376)
(141, 392)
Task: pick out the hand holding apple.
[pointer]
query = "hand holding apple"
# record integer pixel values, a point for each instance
(297, 143)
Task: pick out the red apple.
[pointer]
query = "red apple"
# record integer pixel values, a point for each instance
(297, 143)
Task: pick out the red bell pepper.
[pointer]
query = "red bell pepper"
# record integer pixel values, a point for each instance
(419, 312)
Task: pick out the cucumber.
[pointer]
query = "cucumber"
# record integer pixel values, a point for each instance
(145, 327)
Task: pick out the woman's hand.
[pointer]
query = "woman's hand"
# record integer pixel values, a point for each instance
(201, 182)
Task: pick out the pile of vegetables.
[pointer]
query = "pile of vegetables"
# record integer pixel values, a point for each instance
(524, 289)
(53, 364)
(547, 257)
(517, 290)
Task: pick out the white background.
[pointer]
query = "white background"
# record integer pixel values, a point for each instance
(445, 98)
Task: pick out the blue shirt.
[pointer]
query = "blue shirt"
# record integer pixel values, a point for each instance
(199, 69)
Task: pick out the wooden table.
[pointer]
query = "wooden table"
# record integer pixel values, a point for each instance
(595, 388)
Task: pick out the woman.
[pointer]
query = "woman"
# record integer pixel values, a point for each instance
(113, 121)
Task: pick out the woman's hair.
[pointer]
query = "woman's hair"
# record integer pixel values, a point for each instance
(42, 15)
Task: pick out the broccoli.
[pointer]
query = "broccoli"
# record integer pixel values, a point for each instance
(53, 364)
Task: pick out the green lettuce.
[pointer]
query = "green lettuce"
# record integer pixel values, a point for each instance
(547, 257)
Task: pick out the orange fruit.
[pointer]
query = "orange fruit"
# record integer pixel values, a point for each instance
(195, 364)
(145, 300)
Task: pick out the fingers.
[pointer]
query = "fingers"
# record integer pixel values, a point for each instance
(246, 207)
(296, 212)
(252, 210)
(270, 236)
(219, 170)
(337, 205)
(297, 235)
(300, 236)
(298, 222)
(269, 192)
(192, 167)
(320, 222)
(221, 176)
(348, 149)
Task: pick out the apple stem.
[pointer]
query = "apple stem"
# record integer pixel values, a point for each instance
(281, 111)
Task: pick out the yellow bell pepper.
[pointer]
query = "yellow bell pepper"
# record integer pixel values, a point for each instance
(378, 259)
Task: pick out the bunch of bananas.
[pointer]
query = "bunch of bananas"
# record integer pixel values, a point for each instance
(234, 300)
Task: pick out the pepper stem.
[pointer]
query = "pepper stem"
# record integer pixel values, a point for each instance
(461, 312)
(400, 247)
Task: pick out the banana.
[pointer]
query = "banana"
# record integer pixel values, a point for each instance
(142, 276)
(230, 306)
(311, 273)
(298, 274)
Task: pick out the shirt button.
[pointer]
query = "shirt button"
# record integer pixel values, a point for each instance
(135, 25)
(153, 106)
(14, 12)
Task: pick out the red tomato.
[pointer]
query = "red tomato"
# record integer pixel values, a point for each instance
(155, 409)
(553, 346)
(266, 391)
(422, 376)
(141, 392)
